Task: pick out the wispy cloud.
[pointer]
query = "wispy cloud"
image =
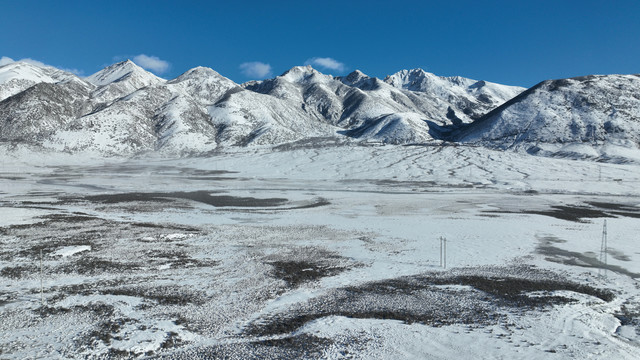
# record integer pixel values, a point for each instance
(327, 63)
(256, 69)
(74, 71)
(7, 60)
(152, 63)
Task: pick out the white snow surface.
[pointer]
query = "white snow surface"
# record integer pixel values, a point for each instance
(70, 250)
(385, 209)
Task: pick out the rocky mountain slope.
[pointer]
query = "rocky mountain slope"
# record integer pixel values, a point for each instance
(591, 116)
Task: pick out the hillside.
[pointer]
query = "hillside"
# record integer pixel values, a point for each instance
(591, 116)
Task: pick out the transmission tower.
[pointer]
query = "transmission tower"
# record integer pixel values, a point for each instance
(603, 250)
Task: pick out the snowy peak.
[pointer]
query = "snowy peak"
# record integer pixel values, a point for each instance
(409, 79)
(460, 98)
(292, 83)
(303, 74)
(31, 72)
(420, 80)
(19, 76)
(355, 78)
(119, 80)
(203, 82)
(197, 73)
(123, 71)
(298, 70)
(203, 85)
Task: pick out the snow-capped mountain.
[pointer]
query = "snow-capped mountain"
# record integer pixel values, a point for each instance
(124, 109)
(461, 100)
(591, 116)
(302, 102)
(365, 107)
(159, 115)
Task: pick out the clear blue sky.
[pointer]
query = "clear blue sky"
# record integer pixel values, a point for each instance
(511, 42)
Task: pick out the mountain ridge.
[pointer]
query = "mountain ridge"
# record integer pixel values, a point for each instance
(123, 110)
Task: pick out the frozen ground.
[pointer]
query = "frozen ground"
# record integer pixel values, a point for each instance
(319, 252)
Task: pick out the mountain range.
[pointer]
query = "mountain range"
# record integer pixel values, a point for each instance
(125, 110)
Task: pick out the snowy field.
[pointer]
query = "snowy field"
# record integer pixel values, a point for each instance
(319, 252)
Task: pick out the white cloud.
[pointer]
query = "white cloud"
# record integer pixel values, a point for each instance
(152, 63)
(76, 72)
(5, 60)
(327, 63)
(255, 69)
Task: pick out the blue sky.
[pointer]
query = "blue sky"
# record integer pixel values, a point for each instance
(510, 42)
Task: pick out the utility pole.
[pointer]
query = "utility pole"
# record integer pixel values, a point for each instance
(603, 250)
(443, 252)
(41, 286)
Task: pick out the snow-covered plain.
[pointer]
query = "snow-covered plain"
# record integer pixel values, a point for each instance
(319, 252)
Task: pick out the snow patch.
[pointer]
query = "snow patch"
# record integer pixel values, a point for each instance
(70, 250)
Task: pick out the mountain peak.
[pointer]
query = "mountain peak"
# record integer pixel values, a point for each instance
(32, 71)
(410, 79)
(20, 75)
(355, 78)
(356, 75)
(121, 71)
(301, 68)
(127, 64)
(196, 73)
(299, 73)
(416, 71)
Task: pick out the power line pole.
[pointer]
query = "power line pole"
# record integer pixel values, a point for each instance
(603, 250)
(41, 286)
(443, 252)
(599, 173)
